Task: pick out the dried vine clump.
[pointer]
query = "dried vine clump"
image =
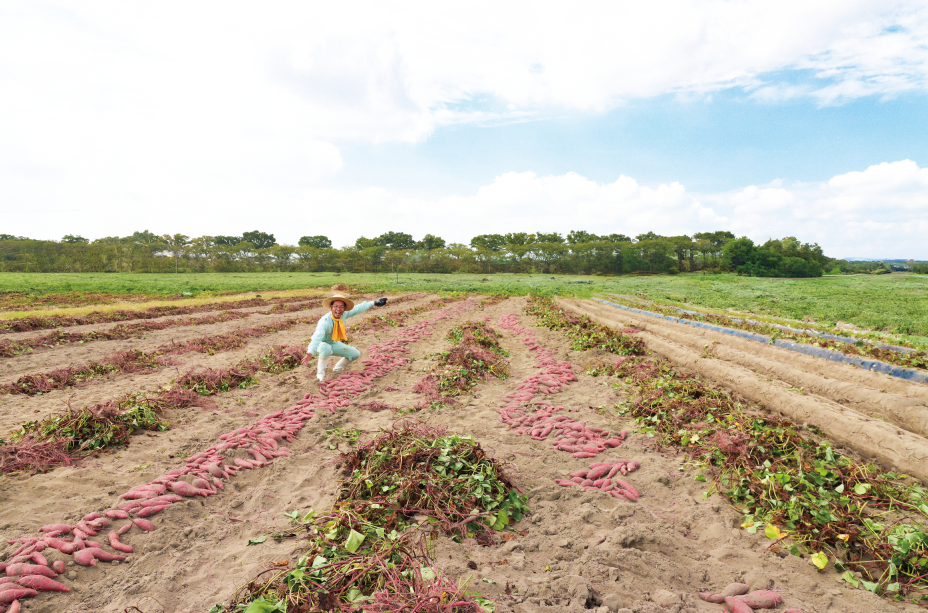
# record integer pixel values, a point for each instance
(475, 356)
(369, 552)
(582, 331)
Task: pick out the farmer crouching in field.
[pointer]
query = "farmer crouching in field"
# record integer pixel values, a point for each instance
(330, 335)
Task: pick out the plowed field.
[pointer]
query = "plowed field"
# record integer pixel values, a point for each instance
(579, 548)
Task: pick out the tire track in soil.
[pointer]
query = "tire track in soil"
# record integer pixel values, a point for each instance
(383, 357)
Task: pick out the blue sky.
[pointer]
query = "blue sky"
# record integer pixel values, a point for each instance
(767, 119)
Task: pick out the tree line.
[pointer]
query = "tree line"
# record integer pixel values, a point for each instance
(577, 252)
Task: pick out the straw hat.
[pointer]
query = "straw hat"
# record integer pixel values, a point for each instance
(349, 304)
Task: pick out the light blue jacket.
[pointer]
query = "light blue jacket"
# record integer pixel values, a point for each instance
(323, 333)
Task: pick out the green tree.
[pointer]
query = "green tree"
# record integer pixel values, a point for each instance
(395, 240)
(318, 242)
(738, 253)
(261, 240)
(283, 255)
(74, 239)
(577, 237)
(430, 242)
(488, 242)
(549, 237)
(175, 244)
(229, 241)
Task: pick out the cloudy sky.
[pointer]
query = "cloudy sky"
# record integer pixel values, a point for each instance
(766, 118)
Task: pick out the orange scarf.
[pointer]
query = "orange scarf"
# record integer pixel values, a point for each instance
(338, 332)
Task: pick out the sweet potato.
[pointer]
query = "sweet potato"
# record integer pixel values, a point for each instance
(761, 599)
(185, 489)
(115, 544)
(145, 525)
(117, 514)
(21, 569)
(8, 596)
(735, 589)
(736, 606)
(85, 557)
(713, 598)
(149, 511)
(58, 566)
(105, 556)
(43, 584)
(66, 528)
(39, 559)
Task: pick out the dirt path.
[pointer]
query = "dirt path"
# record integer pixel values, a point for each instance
(578, 550)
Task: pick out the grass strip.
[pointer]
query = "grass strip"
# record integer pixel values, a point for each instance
(475, 356)
(368, 552)
(914, 359)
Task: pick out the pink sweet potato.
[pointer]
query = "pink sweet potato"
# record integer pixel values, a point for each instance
(117, 514)
(58, 566)
(145, 525)
(713, 598)
(736, 606)
(115, 544)
(761, 599)
(8, 596)
(85, 557)
(91, 516)
(149, 511)
(66, 528)
(202, 484)
(43, 584)
(21, 569)
(185, 489)
(124, 529)
(105, 556)
(735, 589)
(39, 559)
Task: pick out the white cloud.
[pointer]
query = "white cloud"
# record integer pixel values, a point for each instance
(213, 117)
(878, 212)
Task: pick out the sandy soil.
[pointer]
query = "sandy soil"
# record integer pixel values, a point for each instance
(577, 550)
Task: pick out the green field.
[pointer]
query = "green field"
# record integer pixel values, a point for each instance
(892, 303)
